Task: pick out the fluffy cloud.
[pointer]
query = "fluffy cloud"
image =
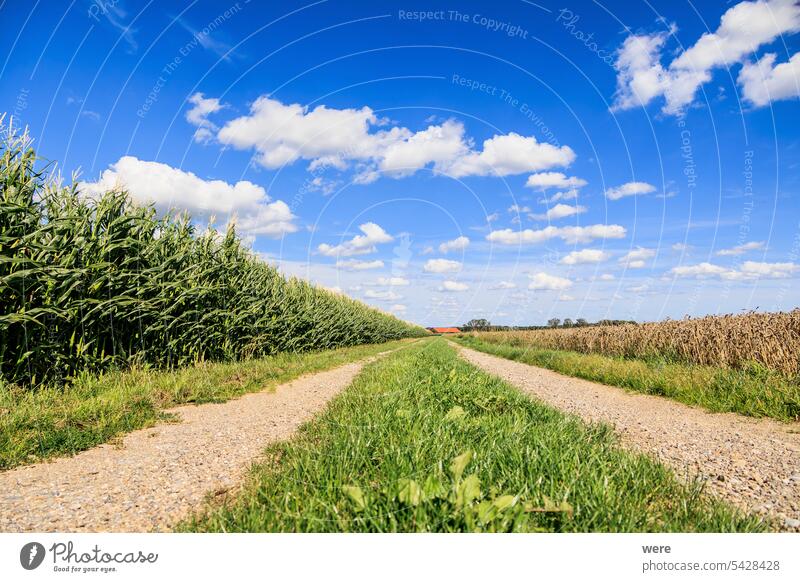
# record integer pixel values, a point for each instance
(743, 29)
(361, 244)
(585, 256)
(245, 203)
(453, 287)
(198, 116)
(763, 81)
(560, 211)
(741, 249)
(640, 76)
(272, 220)
(327, 137)
(636, 259)
(700, 271)
(756, 270)
(457, 244)
(441, 266)
(398, 308)
(570, 234)
(545, 180)
(749, 270)
(356, 265)
(393, 281)
(438, 144)
(545, 282)
(282, 133)
(629, 189)
(504, 155)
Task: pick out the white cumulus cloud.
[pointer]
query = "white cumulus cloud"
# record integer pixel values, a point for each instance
(764, 81)
(503, 155)
(629, 189)
(438, 144)
(636, 259)
(756, 270)
(560, 211)
(453, 286)
(741, 249)
(283, 133)
(570, 234)
(743, 28)
(201, 108)
(457, 244)
(334, 138)
(244, 202)
(441, 266)
(699, 271)
(545, 180)
(546, 282)
(585, 256)
(749, 270)
(361, 244)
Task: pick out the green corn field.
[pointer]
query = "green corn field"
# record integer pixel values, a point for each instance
(101, 283)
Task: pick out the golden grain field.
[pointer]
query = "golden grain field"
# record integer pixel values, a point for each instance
(735, 341)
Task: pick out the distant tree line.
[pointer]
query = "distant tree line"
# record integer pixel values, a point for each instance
(581, 322)
(485, 324)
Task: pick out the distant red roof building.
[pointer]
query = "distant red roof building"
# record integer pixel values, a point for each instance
(444, 330)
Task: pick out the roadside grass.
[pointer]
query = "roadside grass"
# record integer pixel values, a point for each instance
(39, 423)
(422, 441)
(755, 392)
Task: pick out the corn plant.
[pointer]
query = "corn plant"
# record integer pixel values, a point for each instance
(89, 284)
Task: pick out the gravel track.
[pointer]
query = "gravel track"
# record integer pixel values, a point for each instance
(752, 463)
(158, 475)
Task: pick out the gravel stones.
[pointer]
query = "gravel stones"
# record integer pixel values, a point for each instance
(157, 476)
(751, 463)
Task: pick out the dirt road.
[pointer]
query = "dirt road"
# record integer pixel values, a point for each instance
(752, 463)
(159, 475)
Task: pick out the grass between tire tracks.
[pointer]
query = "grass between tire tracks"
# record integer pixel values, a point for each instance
(423, 441)
(46, 422)
(756, 392)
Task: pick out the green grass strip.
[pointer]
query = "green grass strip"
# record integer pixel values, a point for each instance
(756, 392)
(425, 442)
(47, 422)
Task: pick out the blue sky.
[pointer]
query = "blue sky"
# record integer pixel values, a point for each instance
(515, 161)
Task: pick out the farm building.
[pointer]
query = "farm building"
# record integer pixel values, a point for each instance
(444, 330)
